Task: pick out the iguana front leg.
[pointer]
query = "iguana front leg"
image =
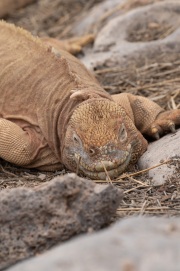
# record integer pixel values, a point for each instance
(15, 144)
(24, 148)
(149, 118)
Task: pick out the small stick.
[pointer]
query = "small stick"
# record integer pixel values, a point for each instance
(177, 92)
(134, 188)
(145, 170)
(77, 169)
(137, 181)
(7, 172)
(108, 70)
(143, 207)
(173, 104)
(108, 177)
(157, 84)
(138, 209)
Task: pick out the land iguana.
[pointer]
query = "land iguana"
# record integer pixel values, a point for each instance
(54, 113)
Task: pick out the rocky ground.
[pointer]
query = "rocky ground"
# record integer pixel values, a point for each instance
(155, 75)
(32, 221)
(134, 244)
(136, 50)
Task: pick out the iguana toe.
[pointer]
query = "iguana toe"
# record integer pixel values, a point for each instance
(165, 122)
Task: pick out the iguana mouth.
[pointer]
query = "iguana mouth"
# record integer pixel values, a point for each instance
(114, 170)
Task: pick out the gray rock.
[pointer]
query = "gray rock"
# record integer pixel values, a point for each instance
(89, 21)
(114, 45)
(134, 244)
(166, 148)
(32, 220)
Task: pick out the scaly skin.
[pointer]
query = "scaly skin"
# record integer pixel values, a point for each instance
(100, 134)
(53, 112)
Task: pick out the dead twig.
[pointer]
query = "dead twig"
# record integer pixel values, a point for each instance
(107, 175)
(139, 209)
(7, 172)
(77, 169)
(145, 170)
(132, 189)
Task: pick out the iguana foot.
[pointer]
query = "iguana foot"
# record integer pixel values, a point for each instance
(165, 122)
(81, 41)
(72, 45)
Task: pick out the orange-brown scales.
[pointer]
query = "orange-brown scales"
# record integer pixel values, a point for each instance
(53, 112)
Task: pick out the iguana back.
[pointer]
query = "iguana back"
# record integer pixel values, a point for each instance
(35, 84)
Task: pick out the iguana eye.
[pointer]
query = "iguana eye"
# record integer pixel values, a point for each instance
(122, 133)
(76, 139)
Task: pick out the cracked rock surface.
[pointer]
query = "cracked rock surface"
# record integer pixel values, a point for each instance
(134, 244)
(32, 220)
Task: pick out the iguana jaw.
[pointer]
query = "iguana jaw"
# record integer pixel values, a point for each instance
(104, 169)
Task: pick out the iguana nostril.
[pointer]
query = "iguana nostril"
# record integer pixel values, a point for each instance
(91, 152)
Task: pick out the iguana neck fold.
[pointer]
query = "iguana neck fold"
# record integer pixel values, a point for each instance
(64, 114)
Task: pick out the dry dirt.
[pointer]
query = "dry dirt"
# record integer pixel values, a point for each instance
(160, 81)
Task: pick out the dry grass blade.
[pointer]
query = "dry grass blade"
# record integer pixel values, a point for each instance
(107, 175)
(145, 170)
(77, 169)
(143, 207)
(7, 172)
(138, 209)
(137, 181)
(134, 188)
(158, 81)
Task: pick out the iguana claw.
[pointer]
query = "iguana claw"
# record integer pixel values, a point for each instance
(172, 127)
(155, 133)
(165, 122)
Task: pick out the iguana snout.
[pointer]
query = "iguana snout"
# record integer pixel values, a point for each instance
(100, 140)
(109, 161)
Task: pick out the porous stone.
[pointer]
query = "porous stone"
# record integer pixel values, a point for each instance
(32, 220)
(164, 149)
(88, 22)
(134, 244)
(115, 46)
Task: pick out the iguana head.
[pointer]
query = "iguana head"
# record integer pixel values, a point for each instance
(100, 139)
